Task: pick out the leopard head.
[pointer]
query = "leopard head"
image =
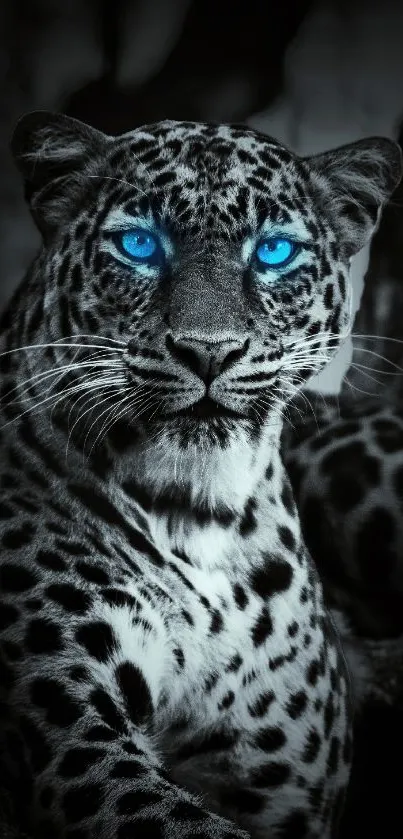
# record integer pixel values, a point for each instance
(193, 276)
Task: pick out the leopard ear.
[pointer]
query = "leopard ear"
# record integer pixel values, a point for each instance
(52, 152)
(354, 183)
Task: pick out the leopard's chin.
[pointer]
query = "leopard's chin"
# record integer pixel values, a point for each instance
(205, 423)
(187, 431)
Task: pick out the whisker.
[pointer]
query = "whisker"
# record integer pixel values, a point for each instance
(88, 382)
(55, 396)
(102, 432)
(376, 338)
(45, 374)
(94, 337)
(357, 389)
(382, 358)
(358, 366)
(95, 403)
(121, 180)
(85, 387)
(58, 345)
(134, 396)
(363, 371)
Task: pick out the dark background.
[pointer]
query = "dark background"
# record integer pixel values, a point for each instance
(313, 74)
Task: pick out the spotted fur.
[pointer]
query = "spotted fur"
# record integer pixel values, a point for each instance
(169, 665)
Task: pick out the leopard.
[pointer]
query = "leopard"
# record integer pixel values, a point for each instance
(169, 666)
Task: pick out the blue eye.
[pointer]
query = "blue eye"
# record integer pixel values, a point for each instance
(276, 251)
(139, 244)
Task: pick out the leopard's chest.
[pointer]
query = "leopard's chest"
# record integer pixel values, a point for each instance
(232, 644)
(235, 683)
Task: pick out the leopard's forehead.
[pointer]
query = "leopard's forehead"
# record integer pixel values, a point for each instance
(202, 136)
(221, 150)
(199, 173)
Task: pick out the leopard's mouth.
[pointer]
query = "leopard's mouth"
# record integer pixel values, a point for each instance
(206, 409)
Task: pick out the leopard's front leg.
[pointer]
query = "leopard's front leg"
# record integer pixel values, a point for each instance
(277, 759)
(83, 703)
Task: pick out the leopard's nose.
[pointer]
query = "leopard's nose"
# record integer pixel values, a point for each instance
(205, 357)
